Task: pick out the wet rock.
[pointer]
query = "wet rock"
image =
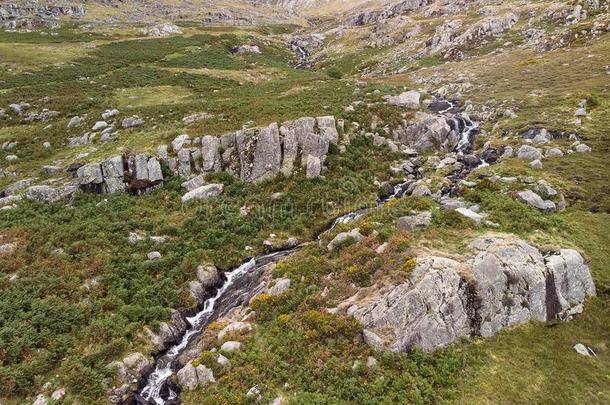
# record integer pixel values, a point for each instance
(208, 276)
(169, 332)
(203, 192)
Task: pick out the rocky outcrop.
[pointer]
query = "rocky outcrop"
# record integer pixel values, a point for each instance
(506, 282)
(134, 173)
(447, 35)
(427, 131)
(169, 332)
(30, 15)
(257, 154)
(191, 377)
(161, 30)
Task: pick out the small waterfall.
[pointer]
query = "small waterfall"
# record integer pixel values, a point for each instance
(157, 390)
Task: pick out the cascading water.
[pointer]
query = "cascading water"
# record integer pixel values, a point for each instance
(157, 390)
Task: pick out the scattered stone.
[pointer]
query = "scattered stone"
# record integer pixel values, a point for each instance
(414, 222)
(371, 362)
(75, 122)
(344, 237)
(243, 49)
(281, 286)
(153, 255)
(8, 249)
(553, 152)
(58, 394)
(110, 113)
(131, 122)
(194, 183)
(533, 199)
(40, 400)
(47, 194)
(99, 125)
(529, 153)
(470, 214)
(234, 327)
(11, 158)
(161, 30)
(536, 164)
(134, 238)
(254, 392)
(230, 346)
(191, 377)
(582, 148)
(584, 350)
(203, 192)
(50, 170)
(409, 99)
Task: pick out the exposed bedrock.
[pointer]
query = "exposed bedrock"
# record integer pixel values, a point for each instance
(506, 282)
(253, 155)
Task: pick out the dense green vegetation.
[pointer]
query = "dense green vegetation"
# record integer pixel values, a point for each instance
(77, 295)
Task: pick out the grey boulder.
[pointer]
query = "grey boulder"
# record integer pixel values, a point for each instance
(203, 192)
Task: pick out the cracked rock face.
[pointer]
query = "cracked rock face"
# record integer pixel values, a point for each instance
(506, 282)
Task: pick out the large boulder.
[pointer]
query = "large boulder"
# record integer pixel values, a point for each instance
(533, 199)
(429, 312)
(408, 99)
(529, 153)
(328, 129)
(260, 153)
(428, 131)
(48, 194)
(414, 222)
(505, 282)
(344, 237)
(169, 332)
(191, 377)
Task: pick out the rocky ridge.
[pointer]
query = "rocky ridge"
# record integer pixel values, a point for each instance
(506, 282)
